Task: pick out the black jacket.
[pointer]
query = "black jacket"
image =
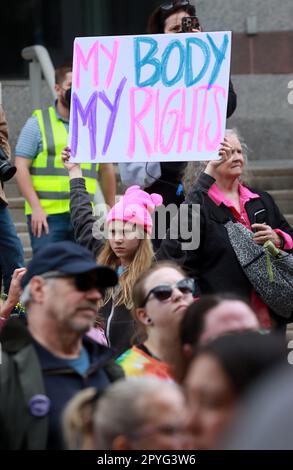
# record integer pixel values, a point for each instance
(27, 371)
(214, 264)
(119, 324)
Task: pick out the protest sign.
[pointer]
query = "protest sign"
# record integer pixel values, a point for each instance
(149, 98)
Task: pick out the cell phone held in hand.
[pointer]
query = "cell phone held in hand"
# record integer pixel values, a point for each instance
(259, 217)
(189, 23)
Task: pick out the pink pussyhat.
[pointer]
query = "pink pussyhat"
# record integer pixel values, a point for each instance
(136, 207)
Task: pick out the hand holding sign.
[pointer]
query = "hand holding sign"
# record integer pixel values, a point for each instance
(73, 168)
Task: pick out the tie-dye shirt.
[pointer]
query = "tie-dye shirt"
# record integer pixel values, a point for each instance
(135, 362)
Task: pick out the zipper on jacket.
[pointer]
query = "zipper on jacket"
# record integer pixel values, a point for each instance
(109, 322)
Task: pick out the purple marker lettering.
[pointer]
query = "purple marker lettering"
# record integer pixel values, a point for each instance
(113, 108)
(88, 116)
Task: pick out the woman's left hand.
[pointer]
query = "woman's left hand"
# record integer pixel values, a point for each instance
(225, 152)
(265, 233)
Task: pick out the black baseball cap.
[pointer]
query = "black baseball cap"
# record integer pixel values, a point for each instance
(68, 258)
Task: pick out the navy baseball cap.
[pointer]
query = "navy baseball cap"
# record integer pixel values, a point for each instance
(68, 258)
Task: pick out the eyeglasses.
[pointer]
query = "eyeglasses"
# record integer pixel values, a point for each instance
(169, 5)
(164, 292)
(82, 282)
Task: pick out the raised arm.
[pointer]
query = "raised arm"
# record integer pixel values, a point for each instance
(81, 210)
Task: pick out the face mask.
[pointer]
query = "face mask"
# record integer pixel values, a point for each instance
(68, 98)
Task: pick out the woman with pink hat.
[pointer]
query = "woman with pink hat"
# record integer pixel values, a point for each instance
(126, 247)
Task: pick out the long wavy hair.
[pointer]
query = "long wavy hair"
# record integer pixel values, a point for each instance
(194, 169)
(142, 260)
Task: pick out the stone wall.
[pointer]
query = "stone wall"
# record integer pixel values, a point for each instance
(16, 99)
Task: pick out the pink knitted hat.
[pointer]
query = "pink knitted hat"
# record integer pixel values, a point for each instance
(136, 206)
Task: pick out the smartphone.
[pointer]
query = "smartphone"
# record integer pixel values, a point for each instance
(259, 217)
(189, 23)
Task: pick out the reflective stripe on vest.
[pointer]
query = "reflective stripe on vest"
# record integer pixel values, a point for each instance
(50, 178)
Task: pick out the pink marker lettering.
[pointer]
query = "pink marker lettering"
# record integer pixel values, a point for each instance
(165, 149)
(80, 59)
(183, 128)
(136, 118)
(201, 129)
(112, 56)
(212, 145)
(157, 123)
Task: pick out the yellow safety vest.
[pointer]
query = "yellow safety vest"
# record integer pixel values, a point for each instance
(50, 178)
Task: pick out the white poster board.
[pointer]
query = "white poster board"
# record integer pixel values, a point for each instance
(149, 98)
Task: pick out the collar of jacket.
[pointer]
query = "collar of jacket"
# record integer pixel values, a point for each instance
(221, 214)
(15, 336)
(203, 184)
(98, 355)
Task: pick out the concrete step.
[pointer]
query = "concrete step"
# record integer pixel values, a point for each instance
(270, 182)
(18, 216)
(21, 227)
(284, 199)
(27, 255)
(25, 239)
(267, 167)
(289, 218)
(16, 207)
(11, 189)
(270, 175)
(16, 203)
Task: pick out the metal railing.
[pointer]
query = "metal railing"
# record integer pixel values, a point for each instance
(40, 63)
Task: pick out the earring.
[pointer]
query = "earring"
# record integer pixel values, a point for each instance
(149, 321)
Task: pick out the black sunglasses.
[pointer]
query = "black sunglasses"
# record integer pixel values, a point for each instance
(169, 5)
(82, 282)
(165, 291)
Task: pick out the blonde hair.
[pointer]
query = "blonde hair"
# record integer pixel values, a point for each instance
(142, 260)
(125, 407)
(77, 421)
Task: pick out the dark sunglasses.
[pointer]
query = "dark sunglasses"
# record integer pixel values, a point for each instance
(164, 291)
(82, 282)
(169, 5)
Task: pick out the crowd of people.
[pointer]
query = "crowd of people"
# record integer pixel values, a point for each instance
(112, 340)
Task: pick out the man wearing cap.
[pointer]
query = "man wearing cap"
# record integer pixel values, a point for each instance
(48, 362)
